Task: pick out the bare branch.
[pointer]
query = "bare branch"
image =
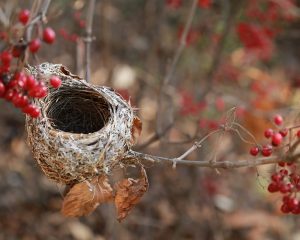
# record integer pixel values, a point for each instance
(182, 43)
(89, 38)
(165, 111)
(211, 164)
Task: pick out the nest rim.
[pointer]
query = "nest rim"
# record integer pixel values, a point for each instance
(54, 129)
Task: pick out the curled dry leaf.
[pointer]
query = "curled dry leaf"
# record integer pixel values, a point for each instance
(84, 197)
(129, 192)
(136, 129)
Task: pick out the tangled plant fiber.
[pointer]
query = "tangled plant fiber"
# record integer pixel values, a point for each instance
(84, 130)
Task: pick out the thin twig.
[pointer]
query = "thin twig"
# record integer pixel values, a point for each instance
(182, 43)
(165, 113)
(231, 11)
(197, 144)
(38, 12)
(89, 38)
(211, 164)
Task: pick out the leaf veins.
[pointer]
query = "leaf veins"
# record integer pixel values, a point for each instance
(84, 197)
(128, 193)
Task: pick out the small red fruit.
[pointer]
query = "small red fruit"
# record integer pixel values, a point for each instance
(281, 163)
(298, 133)
(32, 110)
(16, 51)
(293, 203)
(49, 35)
(276, 139)
(34, 45)
(276, 177)
(268, 133)
(278, 120)
(2, 89)
(30, 82)
(24, 16)
(6, 57)
(273, 187)
(266, 150)
(285, 208)
(283, 132)
(254, 151)
(55, 81)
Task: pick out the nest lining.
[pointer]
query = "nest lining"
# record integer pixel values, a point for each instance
(84, 129)
(77, 111)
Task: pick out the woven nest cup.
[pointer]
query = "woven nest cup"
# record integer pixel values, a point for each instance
(84, 130)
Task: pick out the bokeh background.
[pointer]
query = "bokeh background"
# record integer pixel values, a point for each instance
(243, 54)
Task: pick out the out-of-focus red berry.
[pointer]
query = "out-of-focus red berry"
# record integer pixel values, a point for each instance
(268, 133)
(34, 45)
(55, 81)
(276, 139)
(49, 35)
(24, 16)
(278, 120)
(266, 150)
(254, 151)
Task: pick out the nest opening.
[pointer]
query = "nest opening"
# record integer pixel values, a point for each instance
(77, 110)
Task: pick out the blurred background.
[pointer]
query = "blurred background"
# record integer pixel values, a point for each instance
(237, 53)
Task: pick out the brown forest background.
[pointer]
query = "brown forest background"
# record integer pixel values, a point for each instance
(135, 41)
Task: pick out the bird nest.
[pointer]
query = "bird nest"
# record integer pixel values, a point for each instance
(84, 130)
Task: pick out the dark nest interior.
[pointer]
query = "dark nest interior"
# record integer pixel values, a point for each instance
(77, 110)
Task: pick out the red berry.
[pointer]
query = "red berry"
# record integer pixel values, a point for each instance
(9, 95)
(283, 132)
(254, 151)
(296, 210)
(284, 172)
(268, 133)
(266, 150)
(19, 79)
(6, 57)
(16, 98)
(55, 81)
(273, 187)
(49, 35)
(34, 45)
(24, 16)
(22, 101)
(298, 133)
(278, 120)
(285, 208)
(285, 199)
(276, 177)
(293, 203)
(281, 163)
(285, 188)
(30, 82)
(39, 91)
(276, 139)
(2, 89)
(16, 51)
(32, 110)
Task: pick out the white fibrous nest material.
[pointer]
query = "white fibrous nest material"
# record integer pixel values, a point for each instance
(84, 130)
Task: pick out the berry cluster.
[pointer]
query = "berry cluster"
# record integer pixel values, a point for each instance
(15, 85)
(275, 137)
(258, 36)
(286, 181)
(20, 88)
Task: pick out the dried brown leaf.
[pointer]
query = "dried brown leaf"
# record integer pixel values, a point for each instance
(128, 193)
(136, 129)
(84, 197)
